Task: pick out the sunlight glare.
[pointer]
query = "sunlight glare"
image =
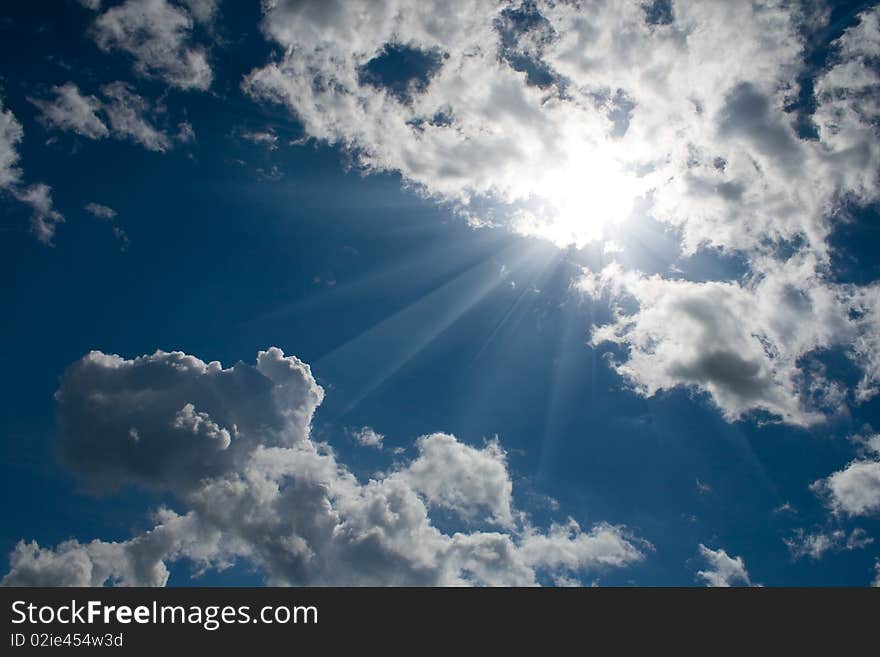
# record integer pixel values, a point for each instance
(579, 201)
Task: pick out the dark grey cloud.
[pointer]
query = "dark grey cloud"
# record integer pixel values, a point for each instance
(748, 113)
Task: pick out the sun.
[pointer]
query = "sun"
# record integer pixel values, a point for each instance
(577, 202)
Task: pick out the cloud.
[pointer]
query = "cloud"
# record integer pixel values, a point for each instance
(108, 214)
(854, 490)
(100, 211)
(122, 114)
(566, 548)
(464, 479)
(708, 87)
(185, 132)
(70, 110)
(126, 112)
(203, 11)
(368, 437)
(158, 35)
(722, 569)
(746, 344)
(45, 217)
(99, 403)
(848, 108)
(201, 424)
(561, 119)
(266, 138)
(38, 196)
(233, 448)
(815, 545)
(137, 562)
(866, 347)
(11, 134)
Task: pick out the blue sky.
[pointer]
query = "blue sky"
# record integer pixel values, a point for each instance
(603, 339)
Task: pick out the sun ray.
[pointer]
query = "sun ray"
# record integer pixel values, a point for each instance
(385, 348)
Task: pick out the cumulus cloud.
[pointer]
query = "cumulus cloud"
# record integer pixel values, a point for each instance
(706, 134)
(233, 447)
(854, 490)
(158, 36)
(70, 110)
(560, 119)
(745, 343)
(722, 569)
(368, 437)
(467, 480)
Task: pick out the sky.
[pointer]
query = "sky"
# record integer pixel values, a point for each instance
(440, 294)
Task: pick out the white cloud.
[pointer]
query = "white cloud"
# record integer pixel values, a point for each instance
(70, 110)
(848, 108)
(233, 446)
(685, 121)
(45, 217)
(743, 343)
(867, 344)
(137, 562)
(266, 138)
(123, 114)
(201, 424)
(158, 35)
(100, 211)
(126, 112)
(566, 548)
(368, 437)
(855, 490)
(11, 134)
(722, 569)
(204, 11)
(38, 196)
(815, 544)
(706, 123)
(108, 215)
(185, 132)
(464, 479)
